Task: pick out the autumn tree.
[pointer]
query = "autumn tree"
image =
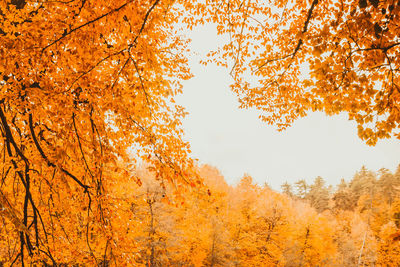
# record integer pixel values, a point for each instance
(301, 188)
(319, 195)
(356, 242)
(201, 231)
(310, 239)
(389, 185)
(363, 183)
(214, 211)
(288, 58)
(389, 250)
(343, 197)
(287, 189)
(81, 83)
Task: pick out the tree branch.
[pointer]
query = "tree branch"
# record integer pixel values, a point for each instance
(49, 163)
(145, 20)
(65, 34)
(300, 42)
(80, 145)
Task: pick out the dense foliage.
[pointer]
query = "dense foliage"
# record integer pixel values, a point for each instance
(291, 57)
(87, 93)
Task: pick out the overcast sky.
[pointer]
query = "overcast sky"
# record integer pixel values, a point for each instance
(237, 142)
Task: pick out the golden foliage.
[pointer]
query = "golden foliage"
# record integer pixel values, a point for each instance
(292, 57)
(84, 85)
(87, 95)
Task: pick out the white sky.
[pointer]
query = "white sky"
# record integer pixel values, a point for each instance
(237, 142)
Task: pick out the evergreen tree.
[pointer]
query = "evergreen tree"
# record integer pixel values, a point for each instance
(318, 195)
(388, 185)
(363, 182)
(287, 189)
(343, 198)
(301, 189)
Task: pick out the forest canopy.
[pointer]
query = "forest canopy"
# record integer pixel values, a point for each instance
(87, 93)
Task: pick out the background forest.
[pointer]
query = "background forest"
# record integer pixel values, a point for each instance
(94, 166)
(355, 224)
